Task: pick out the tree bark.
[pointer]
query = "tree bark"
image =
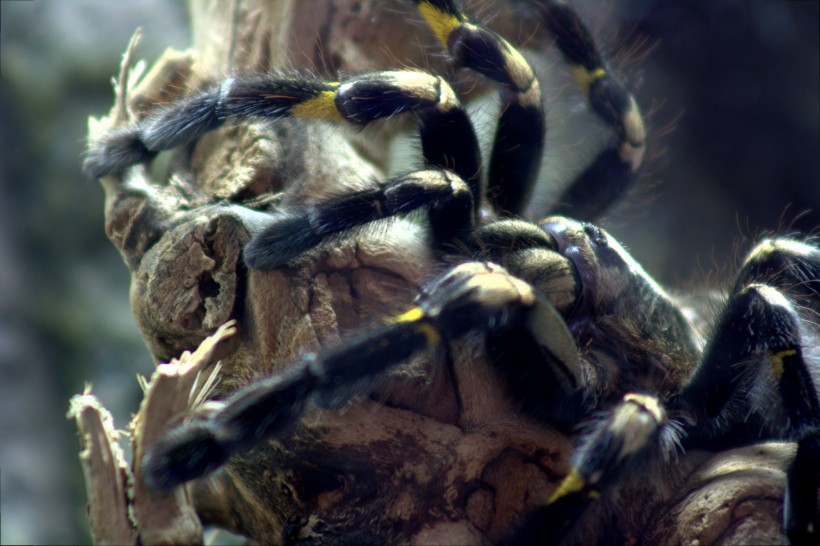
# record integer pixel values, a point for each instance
(438, 454)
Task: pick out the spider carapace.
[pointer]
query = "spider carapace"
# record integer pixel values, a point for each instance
(581, 337)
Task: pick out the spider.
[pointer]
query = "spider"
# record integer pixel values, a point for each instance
(581, 337)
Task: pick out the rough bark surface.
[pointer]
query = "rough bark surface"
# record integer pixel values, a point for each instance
(438, 454)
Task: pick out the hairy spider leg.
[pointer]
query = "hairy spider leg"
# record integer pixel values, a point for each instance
(476, 48)
(447, 136)
(618, 444)
(609, 176)
(291, 233)
(793, 267)
(753, 382)
(756, 383)
(472, 296)
(790, 265)
(636, 422)
(754, 369)
(519, 138)
(760, 376)
(288, 234)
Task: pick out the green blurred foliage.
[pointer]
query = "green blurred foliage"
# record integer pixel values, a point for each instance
(64, 312)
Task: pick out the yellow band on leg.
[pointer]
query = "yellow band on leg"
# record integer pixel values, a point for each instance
(322, 106)
(431, 335)
(442, 23)
(777, 361)
(572, 483)
(585, 77)
(416, 314)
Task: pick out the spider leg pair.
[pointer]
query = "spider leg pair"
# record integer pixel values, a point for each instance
(447, 137)
(758, 379)
(765, 372)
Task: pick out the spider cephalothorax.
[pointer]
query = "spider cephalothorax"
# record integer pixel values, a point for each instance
(577, 333)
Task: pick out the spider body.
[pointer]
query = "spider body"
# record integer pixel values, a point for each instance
(575, 331)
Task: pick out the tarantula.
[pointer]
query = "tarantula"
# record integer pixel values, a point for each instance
(578, 333)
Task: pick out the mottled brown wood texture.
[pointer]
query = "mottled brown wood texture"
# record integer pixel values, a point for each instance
(438, 455)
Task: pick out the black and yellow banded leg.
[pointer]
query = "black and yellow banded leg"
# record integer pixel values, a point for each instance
(525, 335)
(629, 430)
(756, 350)
(791, 266)
(472, 296)
(755, 382)
(613, 450)
(519, 140)
(287, 234)
(611, 173)
(447, 137)
(753, 371)
(267, 408)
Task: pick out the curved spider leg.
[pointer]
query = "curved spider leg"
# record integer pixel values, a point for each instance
(611, 173)
(519, 139)
(760, 375)
(793, 267)
(790, 265)
(469, 297)
(529, 253)
(447, 136)
(754, 370)
(287, 234)
(618, 445)
(628, 429)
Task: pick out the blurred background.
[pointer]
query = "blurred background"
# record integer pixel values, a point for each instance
(731, 89)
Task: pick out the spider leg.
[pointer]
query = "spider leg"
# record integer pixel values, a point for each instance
(611, 173)
(790, 265)
(474, 47)
(469, 297)
(760, 375)
(794, 268)
(618, 444)
(519, 140)
(760, 363)
(626, 431)
(287, 234)
(447, 137)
